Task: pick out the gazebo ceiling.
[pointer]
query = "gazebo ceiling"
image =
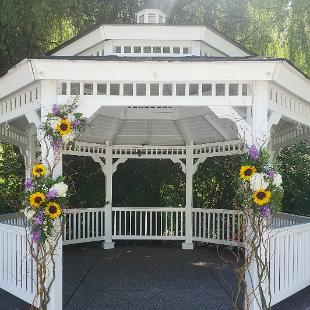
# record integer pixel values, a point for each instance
(158, 126)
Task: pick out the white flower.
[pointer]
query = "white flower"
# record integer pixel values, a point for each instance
(277, 180)
(61, 189)
(54, 122)
(29, 214)
(68, 138)
(258, 181)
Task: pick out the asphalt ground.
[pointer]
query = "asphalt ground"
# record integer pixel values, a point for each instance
(149, 275)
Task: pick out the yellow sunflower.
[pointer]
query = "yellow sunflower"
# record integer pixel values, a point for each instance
(246, 172)
(36, 199)
(53, 210)
(64, 127)
(261, 197)
(38, 170)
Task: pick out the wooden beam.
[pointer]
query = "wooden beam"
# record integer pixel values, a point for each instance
(216, 126)
(183, 131)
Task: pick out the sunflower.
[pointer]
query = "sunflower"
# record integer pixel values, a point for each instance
(64, 127)
(53, 210)
(261, 197)
(36, 199)
(38, 170)
(246, 172)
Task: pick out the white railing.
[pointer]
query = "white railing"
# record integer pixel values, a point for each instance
(218, 226)
(287, 101)
(285, 220)
(219, 148)
(149, 223)
(83, 225)
(147, 151)
(17, 268)
(18, 100)
(289, 252)
(288, 241)
(16, 219)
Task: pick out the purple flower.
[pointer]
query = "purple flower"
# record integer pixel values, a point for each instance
(56, 145)
(51, 194)
(254, 153)
(75, 123)
(265, 211)
(55, 109)
(28, 184)
(271, 174)
(36, 235)
(38, 218)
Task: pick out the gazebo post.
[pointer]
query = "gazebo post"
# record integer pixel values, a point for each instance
(48, 158)
(108, 244)
(30, 151)
(260, 136)
(188, 244)
(260, 130)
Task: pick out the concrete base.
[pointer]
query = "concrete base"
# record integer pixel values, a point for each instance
(187, 246)
(107, 245)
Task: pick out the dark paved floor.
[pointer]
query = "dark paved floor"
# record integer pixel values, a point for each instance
(148, 276)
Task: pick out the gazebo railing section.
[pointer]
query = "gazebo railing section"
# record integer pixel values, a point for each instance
(209, 225)
(83, 225)
(149, 223)
(217, 226)
(17, 268)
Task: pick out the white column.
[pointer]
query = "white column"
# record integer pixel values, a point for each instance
(188, 244)
(48, 98)
(260, 131)
(261, 136)
(108, 244)
(30, 152)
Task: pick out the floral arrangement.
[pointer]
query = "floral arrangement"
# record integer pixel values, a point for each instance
(261, 182)
(44, 200)
(63, 124)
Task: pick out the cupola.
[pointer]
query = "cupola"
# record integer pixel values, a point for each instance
(151, 16)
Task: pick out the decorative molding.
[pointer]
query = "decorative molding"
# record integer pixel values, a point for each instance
(33, 118)
(179, 161)
(101, 162)
(118, 162)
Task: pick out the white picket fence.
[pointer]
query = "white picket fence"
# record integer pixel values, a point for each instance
(17, 268)
(289, 252)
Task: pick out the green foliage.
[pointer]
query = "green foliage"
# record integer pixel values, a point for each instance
(295, 166)
(216, 183)
(86, 180)
(11, 175)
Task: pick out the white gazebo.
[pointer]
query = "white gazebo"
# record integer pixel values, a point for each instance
(156, 91)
